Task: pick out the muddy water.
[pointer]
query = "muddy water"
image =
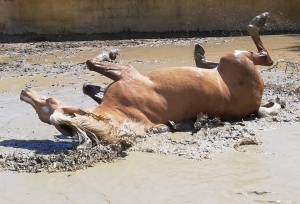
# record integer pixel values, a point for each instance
(267, 173)
(264, 174)
(144, 58)
(279, 46)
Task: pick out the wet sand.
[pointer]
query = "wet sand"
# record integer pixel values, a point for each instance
(61, 74)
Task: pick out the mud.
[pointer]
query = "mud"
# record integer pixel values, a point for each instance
(58, 69)
(263, 174)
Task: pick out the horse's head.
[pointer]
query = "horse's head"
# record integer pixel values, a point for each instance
(45, 107)
(87, 126)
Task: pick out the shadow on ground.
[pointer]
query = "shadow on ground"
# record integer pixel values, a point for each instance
(39, 146)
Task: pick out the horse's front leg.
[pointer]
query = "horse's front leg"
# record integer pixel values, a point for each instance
(94, 91)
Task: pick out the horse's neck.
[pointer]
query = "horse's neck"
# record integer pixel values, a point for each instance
(104, 112)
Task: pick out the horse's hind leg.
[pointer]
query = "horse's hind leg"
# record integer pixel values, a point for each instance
(262, 57)
(200, 60)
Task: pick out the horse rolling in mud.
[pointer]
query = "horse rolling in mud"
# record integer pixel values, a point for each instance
(134, 104)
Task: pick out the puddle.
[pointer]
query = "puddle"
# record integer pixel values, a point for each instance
(52, 67)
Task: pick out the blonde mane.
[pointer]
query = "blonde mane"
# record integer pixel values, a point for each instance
(104, 132)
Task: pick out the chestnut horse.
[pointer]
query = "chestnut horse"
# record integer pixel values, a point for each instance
(135, 103)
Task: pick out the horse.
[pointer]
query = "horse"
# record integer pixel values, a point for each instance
(134, 103)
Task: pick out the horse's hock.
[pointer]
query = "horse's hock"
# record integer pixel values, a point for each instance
(101, 16)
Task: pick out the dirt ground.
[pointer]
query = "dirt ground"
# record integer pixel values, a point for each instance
(58, 69)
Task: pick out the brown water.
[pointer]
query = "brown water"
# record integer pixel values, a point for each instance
(271, 170)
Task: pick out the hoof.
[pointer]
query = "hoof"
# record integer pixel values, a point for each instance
(260, 20)
(85, 88)
(113, 54)
(91, 90)
(199, 55)
(199, 50)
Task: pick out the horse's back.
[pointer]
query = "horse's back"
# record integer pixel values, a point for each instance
(189, 91)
